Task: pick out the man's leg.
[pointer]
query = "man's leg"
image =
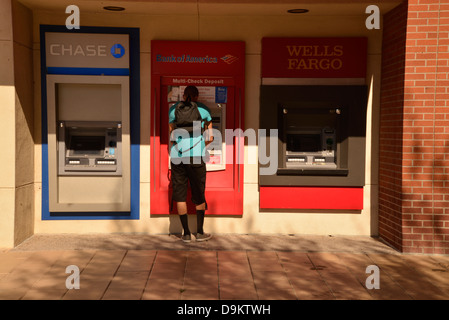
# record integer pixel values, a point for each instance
(197, 177)
(200, 235)
(200, 211)
(182, 212)
(179, 184)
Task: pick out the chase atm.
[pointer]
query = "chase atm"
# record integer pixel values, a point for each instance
(88, 112)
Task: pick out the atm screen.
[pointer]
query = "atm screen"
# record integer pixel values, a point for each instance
(304, 142)
(87, 145)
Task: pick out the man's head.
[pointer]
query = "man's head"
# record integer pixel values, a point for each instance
(190, 94)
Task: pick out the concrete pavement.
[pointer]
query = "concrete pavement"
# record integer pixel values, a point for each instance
(228, 267)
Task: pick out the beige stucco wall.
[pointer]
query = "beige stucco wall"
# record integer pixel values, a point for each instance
(207, 26)
(16, 124)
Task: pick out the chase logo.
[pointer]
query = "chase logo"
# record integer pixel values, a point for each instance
(117, 50)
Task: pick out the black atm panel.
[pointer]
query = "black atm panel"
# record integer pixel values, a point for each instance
(309, 138)
(321, 134)
(85, 145)
(310, 148)
(89, 148)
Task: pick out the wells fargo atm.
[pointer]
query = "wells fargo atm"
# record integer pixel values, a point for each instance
(89, 124)
(314, 92)
(217, 69)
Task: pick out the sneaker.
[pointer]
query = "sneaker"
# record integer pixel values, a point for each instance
(203, 236)
(186, 238)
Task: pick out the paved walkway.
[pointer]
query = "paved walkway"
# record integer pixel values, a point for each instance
(242, 267)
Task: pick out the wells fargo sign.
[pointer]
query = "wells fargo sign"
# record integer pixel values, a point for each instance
(314, 57)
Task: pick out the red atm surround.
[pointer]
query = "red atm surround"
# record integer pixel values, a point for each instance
(338, 65)
(205, 64)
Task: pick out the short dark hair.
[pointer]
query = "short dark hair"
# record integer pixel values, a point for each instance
(190, 92)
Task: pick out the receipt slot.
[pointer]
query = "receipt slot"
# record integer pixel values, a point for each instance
(88, 143)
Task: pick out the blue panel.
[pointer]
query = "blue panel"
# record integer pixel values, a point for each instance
(221, 94)
(89, 71)
(45, 191)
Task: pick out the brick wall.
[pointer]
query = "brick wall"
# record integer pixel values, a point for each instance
(391, 119)
(414, 154)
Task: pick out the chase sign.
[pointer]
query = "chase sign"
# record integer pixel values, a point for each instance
(86, 50)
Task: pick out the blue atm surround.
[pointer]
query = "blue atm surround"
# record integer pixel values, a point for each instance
(134, 75)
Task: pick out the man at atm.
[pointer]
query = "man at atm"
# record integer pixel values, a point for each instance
(190, 129)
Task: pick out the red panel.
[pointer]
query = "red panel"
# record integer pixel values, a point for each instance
(314, 57)
(201, 63)
(218, 58)
(332, 198)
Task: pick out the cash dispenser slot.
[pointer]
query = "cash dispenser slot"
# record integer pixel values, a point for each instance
(89, 148)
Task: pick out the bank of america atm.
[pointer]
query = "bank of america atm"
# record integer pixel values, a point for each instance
(217, 69)
(87, 165)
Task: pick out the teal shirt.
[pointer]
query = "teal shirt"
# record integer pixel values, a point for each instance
(197, 142)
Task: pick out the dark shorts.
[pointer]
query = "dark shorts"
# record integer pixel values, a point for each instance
(195, 174)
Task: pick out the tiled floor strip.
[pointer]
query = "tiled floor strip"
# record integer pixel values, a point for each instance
(220, 275)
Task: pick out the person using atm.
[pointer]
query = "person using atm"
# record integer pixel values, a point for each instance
(190, 129)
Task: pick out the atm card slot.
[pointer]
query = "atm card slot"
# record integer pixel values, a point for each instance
(102, 162)
(319, 160)
(77, 162)
(297, 159)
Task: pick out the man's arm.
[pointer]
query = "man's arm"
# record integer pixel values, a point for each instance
(171, 127)
(208, 137)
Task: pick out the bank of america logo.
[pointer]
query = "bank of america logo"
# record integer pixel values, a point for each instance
(229, 58)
